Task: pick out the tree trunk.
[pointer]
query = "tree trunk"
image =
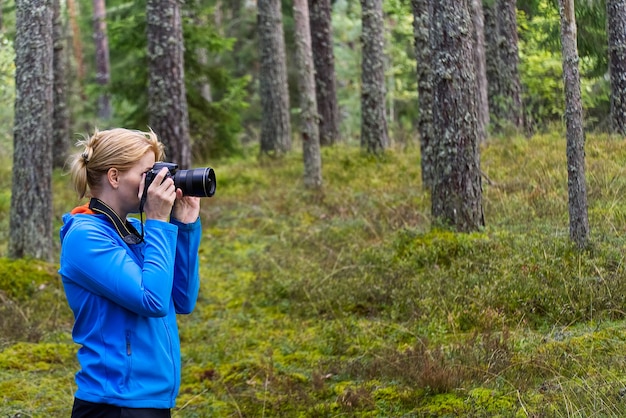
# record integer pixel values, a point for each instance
(274, 95)
(167, 101)
(507, 21)
(203, 84)
(374, 138)
(324, 61)
(616, 27)
(422, 12)
(101, 42)
(31, 195)
(457, 189)
(478, 24)
(504, 87)
(308, 103)
(61, 119)
(577, 190)
(77, 46)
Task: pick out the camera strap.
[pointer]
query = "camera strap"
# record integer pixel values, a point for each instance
(128, 232)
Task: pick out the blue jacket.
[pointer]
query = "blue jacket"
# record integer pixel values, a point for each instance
(125, 299)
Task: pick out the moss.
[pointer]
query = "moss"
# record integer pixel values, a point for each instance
(349, 304)
(37, 357)
(21, 278)
(36, 394)
(443, 405)
(492, 402)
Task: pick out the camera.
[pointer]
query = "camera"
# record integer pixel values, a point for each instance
(199, 182)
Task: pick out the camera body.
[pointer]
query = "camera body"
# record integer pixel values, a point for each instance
(151, 174)
(199, 182)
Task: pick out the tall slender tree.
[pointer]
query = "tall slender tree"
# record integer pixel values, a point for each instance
(422, 12)
(308, 104)
(274, 95)
(457, 189)
(577, 189)
(31, 194)
(320, 14)
(101, 42)
(77, 45)
(374, 136)
(478, 25)
(616, 27)
(504, 86)
(167, 101)
(61, 118)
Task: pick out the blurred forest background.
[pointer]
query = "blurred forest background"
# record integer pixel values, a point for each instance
(225, 32)
(350, 299)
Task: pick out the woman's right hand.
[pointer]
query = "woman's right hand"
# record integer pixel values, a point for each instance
(161, 196)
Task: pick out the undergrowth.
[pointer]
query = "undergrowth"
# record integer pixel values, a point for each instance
(347, 302)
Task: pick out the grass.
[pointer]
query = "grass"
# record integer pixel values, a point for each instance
(347, 302)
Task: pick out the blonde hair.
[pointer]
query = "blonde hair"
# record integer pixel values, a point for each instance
(120, 148)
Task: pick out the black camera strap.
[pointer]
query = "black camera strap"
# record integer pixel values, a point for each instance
(128, 232)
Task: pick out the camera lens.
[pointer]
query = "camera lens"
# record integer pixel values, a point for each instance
(199, 182)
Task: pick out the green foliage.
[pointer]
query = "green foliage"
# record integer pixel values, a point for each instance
(7, 95)
(6, 177)
(401, 72)
(400, 67)
(127, 28)
(214, 125)
(591, 30)
(346, 33)
(541, 67)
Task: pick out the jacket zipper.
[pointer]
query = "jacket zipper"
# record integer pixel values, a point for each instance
(129, 359)
(128, 350)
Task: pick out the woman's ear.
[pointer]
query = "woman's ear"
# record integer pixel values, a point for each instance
(113, 177)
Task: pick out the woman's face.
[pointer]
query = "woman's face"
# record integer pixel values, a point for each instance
(130, 181)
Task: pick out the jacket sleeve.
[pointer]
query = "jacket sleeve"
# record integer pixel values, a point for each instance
(99, 263)
(186, 276)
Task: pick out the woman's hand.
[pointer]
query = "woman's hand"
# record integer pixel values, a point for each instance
(161, 196)
(186, 208)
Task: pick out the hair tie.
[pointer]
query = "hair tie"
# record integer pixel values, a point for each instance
(85, 157)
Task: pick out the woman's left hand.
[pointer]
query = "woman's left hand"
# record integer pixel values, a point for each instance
(186, 208)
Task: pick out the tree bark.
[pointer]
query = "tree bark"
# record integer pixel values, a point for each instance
(274, 95)
(308, 104)
(374, 137)
(577, 190)
(101, 42)
(457, 189)
(616, 27)
(77, 45)
(324, 61)
(61, 119)
(167, 101)
(422, 12)
(482, 98)
(504, 86)
(31, 196)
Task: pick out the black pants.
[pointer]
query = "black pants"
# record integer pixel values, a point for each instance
(84, 409)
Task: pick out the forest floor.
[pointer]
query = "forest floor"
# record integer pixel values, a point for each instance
(349, 302)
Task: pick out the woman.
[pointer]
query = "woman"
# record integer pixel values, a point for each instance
(125, 287)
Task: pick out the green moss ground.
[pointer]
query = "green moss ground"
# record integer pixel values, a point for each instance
(345, 302)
